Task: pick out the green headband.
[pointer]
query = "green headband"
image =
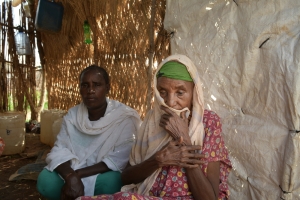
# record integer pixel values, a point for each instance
(174, 70)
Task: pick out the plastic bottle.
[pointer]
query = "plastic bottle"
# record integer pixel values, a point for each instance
(22, 43)
(87, 33)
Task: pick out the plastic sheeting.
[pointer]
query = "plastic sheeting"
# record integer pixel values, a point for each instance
(247, 52)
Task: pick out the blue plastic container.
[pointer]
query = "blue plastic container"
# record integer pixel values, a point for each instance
(49, 16)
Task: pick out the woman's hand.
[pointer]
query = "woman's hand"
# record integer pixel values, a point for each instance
(176, 154)
(176, 126)
(72, 188)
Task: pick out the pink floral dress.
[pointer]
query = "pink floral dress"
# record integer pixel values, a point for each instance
(171, 183)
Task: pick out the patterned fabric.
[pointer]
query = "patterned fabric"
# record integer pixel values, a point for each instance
(171, 183)
(215, 150)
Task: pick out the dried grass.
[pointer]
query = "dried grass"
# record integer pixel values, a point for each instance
(120, 44)
(120, 34)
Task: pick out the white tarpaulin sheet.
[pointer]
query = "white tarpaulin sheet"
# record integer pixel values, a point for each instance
(247, 52)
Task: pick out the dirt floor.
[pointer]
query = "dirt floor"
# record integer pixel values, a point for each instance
(9, 164)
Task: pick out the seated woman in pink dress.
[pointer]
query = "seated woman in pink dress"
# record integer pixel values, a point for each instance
(179, 152)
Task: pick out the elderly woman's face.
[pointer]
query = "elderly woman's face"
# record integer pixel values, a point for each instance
(93, 89)
(177, 94)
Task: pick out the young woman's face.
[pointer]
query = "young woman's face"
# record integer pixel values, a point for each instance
(93, 89)
(177, 94)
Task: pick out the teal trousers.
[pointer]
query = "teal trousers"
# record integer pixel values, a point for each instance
(49, 184)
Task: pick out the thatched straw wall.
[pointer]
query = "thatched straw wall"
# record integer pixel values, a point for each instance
(17, 73)
(121, 44)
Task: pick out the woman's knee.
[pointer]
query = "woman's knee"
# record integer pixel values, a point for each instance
(108, 183)
(49, 184)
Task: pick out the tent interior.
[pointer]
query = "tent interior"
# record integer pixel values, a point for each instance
(247, 54)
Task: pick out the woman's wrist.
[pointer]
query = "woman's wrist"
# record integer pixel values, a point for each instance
(77, 171)
(187, 141)
(158, 159)
(66, 176)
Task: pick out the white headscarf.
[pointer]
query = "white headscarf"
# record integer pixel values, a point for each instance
(151, 137)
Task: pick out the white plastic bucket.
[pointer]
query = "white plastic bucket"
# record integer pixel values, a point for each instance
(48, 117)
(12, 132)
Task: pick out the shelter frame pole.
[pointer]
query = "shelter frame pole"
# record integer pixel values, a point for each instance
(151, 56)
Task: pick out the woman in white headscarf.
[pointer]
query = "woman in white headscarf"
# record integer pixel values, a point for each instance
(179, 152)
(93, 145)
